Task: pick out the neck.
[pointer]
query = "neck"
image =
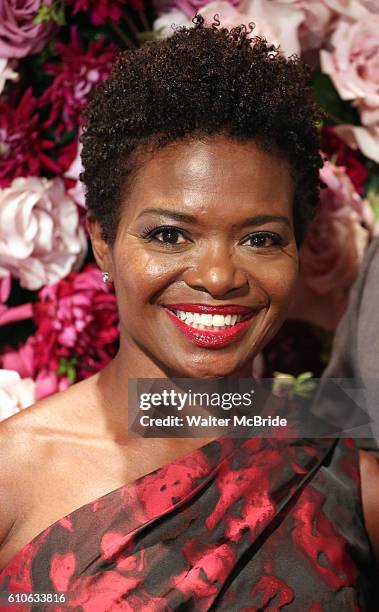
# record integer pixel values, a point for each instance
(132, 364)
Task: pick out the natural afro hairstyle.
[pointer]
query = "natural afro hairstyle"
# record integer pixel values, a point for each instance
(200, 81)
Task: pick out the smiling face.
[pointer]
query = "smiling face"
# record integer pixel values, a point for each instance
(205, 260)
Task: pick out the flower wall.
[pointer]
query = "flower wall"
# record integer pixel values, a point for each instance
(58, 320)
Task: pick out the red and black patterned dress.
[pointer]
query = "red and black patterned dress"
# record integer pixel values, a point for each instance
(237, 525)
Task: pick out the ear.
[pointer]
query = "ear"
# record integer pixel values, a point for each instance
(100, 247)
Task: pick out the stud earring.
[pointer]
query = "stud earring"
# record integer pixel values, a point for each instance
(106, 277)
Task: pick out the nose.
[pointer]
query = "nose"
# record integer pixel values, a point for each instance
(217, 273)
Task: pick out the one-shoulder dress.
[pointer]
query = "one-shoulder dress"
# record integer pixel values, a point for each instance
(236, 525)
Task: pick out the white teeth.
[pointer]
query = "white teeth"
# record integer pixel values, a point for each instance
(218, 320)
(189, 316)
(207, 321)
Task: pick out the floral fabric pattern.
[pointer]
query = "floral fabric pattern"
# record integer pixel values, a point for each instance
(239, 524)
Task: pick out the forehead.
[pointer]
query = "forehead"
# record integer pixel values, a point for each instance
(216, 175)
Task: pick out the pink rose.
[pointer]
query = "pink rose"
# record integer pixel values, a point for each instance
(354, 9)
(353, 64)
(15, 393)
(19, 36)
(278, 23)
(359, 137)
(41, 239)
(188, 7)
(317, 21)
(332, 251)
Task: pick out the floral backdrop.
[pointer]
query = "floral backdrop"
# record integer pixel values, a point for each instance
(58, 320)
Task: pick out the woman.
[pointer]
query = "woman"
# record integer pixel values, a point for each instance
(201, 160)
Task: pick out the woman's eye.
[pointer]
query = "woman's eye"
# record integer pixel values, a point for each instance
(263, 239)
(166, 235)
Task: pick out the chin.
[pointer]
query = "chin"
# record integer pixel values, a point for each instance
(206, 369)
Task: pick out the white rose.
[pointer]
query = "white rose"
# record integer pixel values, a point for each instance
(41, 239)
(15, 393)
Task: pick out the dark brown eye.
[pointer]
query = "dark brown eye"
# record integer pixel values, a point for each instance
(169, 234)
(166, 235)
(263, 240)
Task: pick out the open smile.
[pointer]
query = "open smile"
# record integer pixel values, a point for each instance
(210, 326)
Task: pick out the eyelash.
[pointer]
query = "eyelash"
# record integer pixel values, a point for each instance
(150, 234)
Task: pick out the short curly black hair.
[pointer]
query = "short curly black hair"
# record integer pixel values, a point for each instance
(203, 80)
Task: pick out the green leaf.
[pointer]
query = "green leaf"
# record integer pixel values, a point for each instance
(55, 13)
(67, 367)
(43, 14)
(301, 386)
(338, 110)
(71, 374)
(61, 369)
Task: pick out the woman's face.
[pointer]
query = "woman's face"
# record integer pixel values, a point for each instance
(205, 261)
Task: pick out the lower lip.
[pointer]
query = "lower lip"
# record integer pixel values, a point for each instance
(210, 339)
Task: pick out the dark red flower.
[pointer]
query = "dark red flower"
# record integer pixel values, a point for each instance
(76, 73)
(102, 10)
(23, 150)
(341, 155)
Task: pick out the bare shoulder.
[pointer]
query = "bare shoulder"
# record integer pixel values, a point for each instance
(26, 445)
(369, 468)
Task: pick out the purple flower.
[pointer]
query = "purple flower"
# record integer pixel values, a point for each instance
(19, 36)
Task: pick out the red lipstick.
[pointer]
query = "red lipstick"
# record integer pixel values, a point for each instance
(211, 338)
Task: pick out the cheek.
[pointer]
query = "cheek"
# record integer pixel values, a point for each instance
(278, 279)
(141, 276)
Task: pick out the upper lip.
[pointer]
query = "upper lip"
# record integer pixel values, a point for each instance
(211, 309)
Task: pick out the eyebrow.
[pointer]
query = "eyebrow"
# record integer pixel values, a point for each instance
(186, 218)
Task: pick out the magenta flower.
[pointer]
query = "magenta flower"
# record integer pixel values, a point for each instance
(22, 361)
(102, 10)
(23, 151)
(77, 323)
(75, 76)
(12, 314)
(19, 36)
(76, 333)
